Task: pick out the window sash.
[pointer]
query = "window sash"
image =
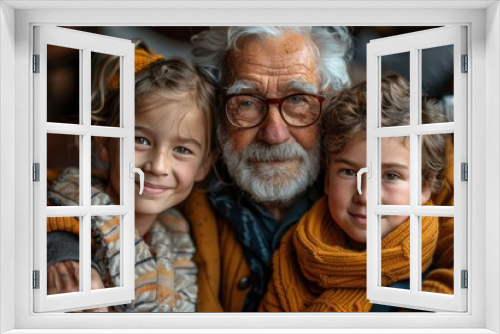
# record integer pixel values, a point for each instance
(85, 43)
(413, 43)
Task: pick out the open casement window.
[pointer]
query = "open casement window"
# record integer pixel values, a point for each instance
(60, 138)
(416, 47)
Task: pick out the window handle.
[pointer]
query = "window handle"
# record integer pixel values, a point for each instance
(141, 175)
(368, 171)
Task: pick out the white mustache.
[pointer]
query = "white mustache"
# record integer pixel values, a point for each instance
(258, 152)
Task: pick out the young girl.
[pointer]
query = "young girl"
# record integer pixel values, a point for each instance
(173, 145)
(321, 262)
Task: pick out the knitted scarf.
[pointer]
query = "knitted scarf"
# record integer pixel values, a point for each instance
(316, 270)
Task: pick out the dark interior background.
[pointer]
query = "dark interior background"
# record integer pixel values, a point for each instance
(63, 73)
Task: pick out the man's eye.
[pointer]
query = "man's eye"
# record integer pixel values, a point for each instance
(182, 150)
(246, 104)
(296, 99)
(142, 141)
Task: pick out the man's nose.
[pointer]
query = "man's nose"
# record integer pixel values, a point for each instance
(274, 130)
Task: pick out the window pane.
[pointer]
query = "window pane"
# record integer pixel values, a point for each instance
(105, 90)
(106, 171)
(437, 254)
(395, 251)
(63, 162)
(106, 257)
(63, 85)
(395, 171)
(395, 64)
(437, 169)
(437, 84)
(63, 240)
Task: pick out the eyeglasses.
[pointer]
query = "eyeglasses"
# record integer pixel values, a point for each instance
(248, 111)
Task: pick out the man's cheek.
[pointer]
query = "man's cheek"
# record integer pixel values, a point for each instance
(242, 138)
(306, 137)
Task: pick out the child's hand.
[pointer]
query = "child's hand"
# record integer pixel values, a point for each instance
(64, 276)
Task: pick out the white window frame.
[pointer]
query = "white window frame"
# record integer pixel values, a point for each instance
(414, 44)
(85, 43)
(16, 21)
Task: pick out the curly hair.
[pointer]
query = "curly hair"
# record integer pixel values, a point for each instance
(345, 118)
(333, 45)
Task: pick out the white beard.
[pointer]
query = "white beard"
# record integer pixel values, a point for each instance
(267, 184)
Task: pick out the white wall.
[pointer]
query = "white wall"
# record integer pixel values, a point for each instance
(7, 160)
(492, 150)
(488, 153)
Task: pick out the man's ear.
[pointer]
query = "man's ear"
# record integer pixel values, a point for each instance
(204, 168)
(102, 148)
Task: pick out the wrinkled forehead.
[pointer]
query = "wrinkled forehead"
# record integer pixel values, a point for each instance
(292, 56)
(285, 43)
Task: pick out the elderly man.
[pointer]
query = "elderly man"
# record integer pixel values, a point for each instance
(273, 81)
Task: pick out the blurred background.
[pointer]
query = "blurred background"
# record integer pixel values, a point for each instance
(63, 73)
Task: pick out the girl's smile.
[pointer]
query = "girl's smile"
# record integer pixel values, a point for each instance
(170, 148)
(153, 189)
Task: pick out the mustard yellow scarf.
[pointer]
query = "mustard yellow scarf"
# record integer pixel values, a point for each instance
(315, 268)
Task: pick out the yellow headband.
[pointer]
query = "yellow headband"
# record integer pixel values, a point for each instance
(143, 59)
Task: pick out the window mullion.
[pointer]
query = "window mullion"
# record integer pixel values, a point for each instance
(85, 231)
(85, 170)
(415, 268)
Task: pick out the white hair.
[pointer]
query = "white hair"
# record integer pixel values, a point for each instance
(333, 46)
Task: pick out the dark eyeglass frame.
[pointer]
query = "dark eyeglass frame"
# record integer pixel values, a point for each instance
(279, 101)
